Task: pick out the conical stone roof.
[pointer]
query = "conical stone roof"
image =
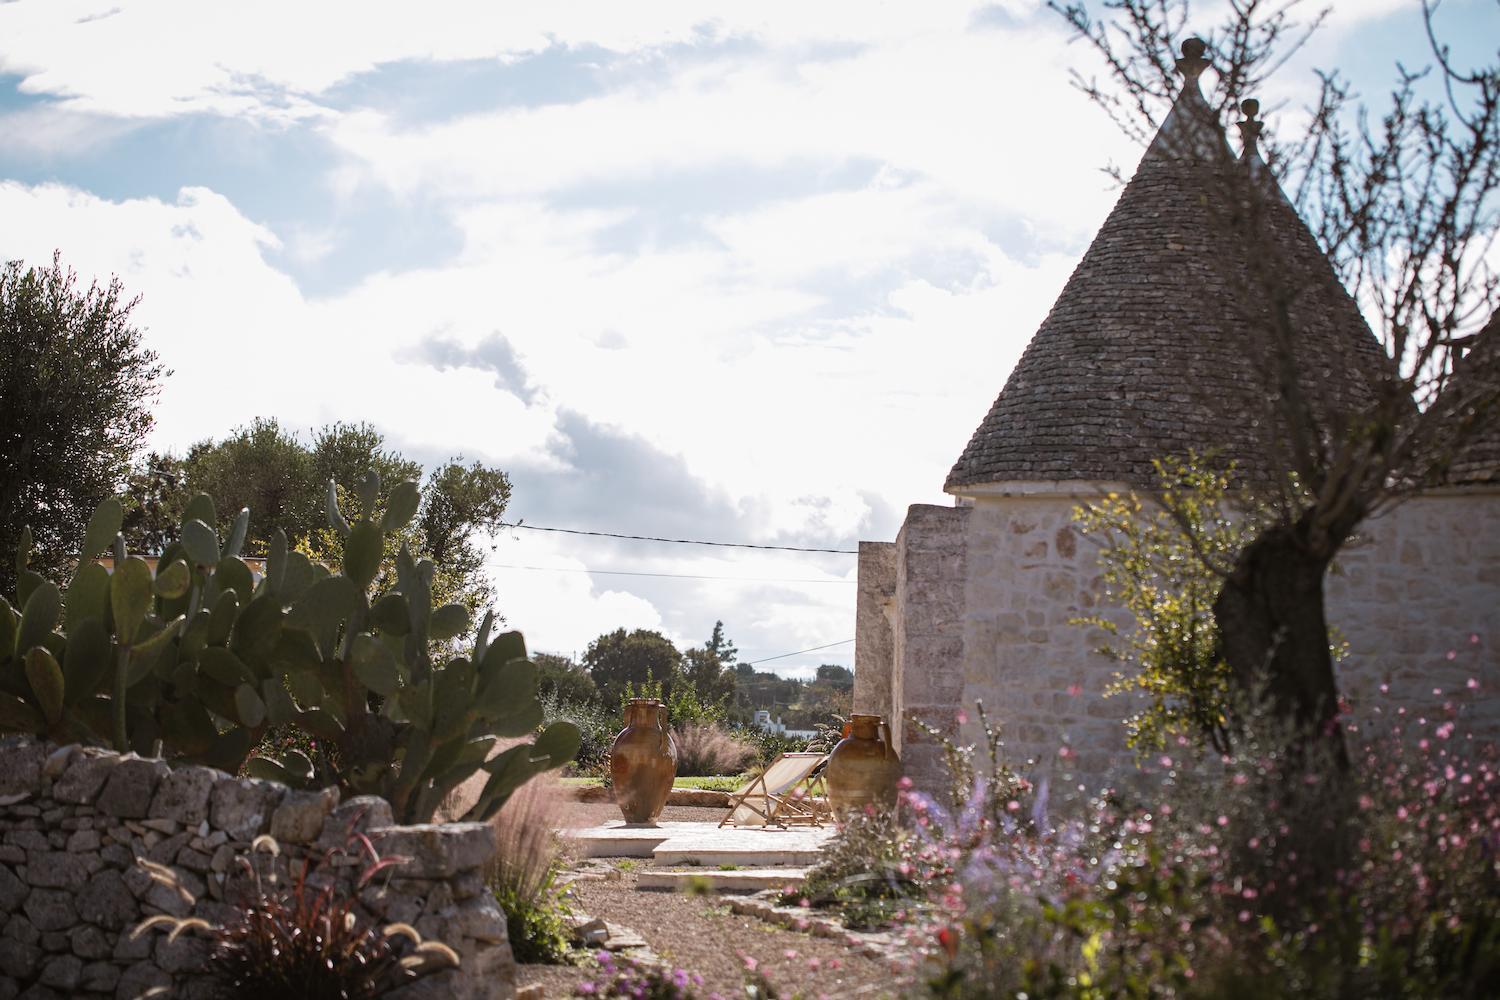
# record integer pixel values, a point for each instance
(1149, 352)
(1477, 461)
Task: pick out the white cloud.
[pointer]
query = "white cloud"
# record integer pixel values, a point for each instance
(272, 59)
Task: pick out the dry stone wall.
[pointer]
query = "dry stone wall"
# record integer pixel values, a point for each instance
(80, 827)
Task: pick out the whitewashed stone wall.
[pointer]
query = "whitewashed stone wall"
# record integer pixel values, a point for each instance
(986, 598)
(875, 615)
(76, 823)
(1423, 583)
(928, 636)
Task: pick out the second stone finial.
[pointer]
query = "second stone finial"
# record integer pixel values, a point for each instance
(1251, 127)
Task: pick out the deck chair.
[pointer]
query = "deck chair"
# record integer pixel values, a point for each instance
(771, 798)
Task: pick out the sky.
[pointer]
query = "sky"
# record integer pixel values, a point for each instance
(739, 272)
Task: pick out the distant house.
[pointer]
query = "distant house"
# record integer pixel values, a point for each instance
(765, 723)
(1142, 357)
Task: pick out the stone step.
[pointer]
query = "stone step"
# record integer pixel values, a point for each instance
(740, 880)
(704, 844)
(746, 847)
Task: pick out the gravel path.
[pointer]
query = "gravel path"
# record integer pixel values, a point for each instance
(700, 934)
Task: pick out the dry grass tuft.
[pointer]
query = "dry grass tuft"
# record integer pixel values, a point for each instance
(706, 749)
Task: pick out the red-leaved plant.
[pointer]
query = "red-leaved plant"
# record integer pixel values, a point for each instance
(301, 937)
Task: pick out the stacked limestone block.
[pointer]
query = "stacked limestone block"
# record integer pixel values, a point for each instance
(76, 823)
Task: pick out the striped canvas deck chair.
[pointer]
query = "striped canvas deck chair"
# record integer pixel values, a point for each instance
(790, 791)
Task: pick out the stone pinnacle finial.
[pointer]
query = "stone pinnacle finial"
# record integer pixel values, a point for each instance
(1250, 128)
(1193, 63)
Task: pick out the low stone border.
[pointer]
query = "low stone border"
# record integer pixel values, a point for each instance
(872, 944)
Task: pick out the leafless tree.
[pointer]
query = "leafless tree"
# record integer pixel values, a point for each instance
(1402, 201)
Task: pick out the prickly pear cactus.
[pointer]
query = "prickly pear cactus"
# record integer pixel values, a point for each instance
(196, 658)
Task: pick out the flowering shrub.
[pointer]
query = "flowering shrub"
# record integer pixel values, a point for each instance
(625, 977)
(1248, 875)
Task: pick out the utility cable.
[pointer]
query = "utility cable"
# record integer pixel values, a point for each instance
(681, 541)
(782, 656)
(672, 576)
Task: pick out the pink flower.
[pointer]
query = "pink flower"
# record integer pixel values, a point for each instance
(1074, 690)
(1473, 685)
(962, 717)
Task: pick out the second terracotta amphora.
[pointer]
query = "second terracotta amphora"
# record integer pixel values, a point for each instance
(643, 762)
(864, 768)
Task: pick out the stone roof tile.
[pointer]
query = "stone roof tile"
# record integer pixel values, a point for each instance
(1148, 352)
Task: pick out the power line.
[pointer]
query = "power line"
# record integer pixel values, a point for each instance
(673, 576)
(682, 541)
(799, 652)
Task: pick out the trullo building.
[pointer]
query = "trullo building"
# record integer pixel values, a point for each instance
(1145, 355)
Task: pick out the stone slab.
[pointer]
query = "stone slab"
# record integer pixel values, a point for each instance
(619, 840)
(742, 880)
(752, 847)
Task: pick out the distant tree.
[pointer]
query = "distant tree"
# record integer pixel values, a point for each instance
(560, 676)
(284, 483)
(709, 668)
(723, 650)
(638, 658)
(835, 676)
(76, 386)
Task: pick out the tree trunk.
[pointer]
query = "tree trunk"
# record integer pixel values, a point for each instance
(1274, 633)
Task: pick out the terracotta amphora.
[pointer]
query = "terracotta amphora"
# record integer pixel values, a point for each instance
(863, 769)
(643, 762)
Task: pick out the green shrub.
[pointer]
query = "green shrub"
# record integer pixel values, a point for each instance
(597, 729)
(524, 872)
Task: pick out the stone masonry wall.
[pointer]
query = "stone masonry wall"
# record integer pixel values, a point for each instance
(77, 824)
(1418, 600)
(874, 616)
(1031, 574)
(928, 641)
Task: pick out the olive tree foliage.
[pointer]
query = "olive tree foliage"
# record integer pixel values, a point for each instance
(1156, 559)
(268, 468)
(76, 386)
(1402, 200)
